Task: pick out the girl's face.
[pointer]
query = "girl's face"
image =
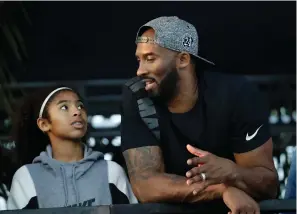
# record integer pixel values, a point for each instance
(67, 117)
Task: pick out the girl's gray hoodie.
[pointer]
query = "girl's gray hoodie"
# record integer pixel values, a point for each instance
(48, 183)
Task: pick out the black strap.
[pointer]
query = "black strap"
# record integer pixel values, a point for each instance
(146, 107)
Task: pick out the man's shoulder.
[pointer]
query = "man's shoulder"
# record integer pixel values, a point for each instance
(221, 83)
(223, 89)
(219, 78)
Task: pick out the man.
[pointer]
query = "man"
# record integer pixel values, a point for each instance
(175, 109)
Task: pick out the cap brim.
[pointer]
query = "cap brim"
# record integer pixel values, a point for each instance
(204, 60)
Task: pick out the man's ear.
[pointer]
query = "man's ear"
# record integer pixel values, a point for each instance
(184, 59)
(43, 124)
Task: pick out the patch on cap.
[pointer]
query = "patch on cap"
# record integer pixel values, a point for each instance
(187, 40)
(144, 39)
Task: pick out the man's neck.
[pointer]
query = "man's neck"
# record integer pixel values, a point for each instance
(187, 93)
(66, 151)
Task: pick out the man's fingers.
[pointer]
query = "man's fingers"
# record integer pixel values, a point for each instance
(235, 211)
(247, 209)
(193, 172)
(194, 179)
(250, 211)
(200, 187)
(257, 210)
(195, 151)
(196, 171)
(198, 160)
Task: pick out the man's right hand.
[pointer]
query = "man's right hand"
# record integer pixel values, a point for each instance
(239, 202)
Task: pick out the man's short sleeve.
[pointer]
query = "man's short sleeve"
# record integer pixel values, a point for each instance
(249, 126)
(134, 132)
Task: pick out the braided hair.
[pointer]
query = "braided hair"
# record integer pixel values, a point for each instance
(28, 138)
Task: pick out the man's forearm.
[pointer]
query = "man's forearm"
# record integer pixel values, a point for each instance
(163, 187)
(259, 182)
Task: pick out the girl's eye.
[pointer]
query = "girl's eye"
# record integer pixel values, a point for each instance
(64, 107)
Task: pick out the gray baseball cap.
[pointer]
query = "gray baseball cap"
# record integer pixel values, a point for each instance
(172, 33)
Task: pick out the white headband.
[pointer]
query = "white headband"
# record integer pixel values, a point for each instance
(48, 97)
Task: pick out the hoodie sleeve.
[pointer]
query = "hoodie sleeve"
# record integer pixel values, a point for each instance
(22, 192)
(120, 188)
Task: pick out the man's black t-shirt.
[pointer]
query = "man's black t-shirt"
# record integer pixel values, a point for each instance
(229, 117)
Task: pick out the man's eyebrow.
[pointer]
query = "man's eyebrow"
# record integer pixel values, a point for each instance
(147, 54)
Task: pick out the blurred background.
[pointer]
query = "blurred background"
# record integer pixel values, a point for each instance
(90, 46)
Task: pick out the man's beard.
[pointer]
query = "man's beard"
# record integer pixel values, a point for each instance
(168, 87)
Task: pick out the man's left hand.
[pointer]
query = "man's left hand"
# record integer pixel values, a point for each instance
(216, 170)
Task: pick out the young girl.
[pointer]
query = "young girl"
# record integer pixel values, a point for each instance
(67, 173)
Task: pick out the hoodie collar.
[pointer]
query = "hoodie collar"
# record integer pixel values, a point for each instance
(90, 157)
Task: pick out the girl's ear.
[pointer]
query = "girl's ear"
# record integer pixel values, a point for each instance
(43, 125)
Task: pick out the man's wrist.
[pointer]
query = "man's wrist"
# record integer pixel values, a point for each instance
(234, 175)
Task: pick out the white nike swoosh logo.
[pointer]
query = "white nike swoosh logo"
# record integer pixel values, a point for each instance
(248, 138)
